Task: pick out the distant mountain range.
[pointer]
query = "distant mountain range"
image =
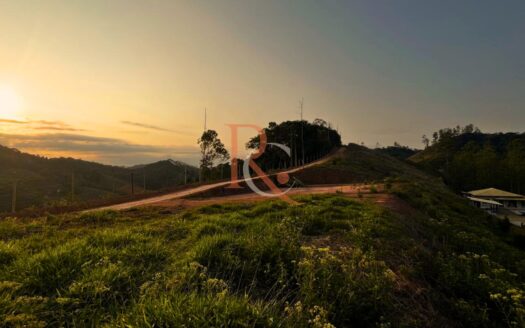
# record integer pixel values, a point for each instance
(49, 181)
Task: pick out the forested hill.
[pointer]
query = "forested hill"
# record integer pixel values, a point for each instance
(308, 141)
(474, 160)
(48, 181)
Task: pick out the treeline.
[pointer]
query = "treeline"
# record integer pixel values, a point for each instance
(469, 159)
(446, 134)
(397, 150)
(307, 142)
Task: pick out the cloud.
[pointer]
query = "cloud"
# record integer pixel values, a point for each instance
(53, 126)
(57, 128)
(5, 120)
(42, 125)
(50, 122)
(108, 150)
(149, 126)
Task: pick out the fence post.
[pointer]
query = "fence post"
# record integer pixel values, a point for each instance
(13, 203)
(132, 183)
(72, 186)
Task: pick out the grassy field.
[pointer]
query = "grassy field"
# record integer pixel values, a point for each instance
(331, 261)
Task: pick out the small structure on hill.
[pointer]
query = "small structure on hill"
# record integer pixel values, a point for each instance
(494, 200)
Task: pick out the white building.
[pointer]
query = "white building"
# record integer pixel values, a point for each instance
(492, 200)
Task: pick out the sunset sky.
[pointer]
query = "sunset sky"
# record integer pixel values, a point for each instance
(126, 82)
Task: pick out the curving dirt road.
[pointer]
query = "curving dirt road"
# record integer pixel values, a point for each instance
(349, 190)
(199, 189)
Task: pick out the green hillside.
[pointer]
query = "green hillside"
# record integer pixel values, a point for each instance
(354, 163)
(398, 151)
(48, 181)
(469, 161)
(430, 261)
(165, 174)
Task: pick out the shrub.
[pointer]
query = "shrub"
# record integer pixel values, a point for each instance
(255, 261)
(53, 269)
(98, 217)
(353, 286)
(209, 229)
(196, 310)
(8, 253)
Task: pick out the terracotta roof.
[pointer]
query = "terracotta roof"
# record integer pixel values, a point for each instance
(493, 192)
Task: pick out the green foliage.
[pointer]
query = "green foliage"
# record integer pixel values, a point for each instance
(471, 161)
(7, 253)
(212, 150)
(330, 261)
(355, 286)
(473, 261)
(318, 137)
(357, 164)
(397, 151)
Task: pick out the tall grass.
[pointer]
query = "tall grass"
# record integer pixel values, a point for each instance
(328, 262)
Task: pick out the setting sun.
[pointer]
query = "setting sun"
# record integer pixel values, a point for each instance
(10, 103)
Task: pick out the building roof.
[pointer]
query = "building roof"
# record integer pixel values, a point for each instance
(486, 201)
(493, 192)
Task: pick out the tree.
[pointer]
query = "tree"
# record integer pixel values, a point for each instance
(488, 166)
(425, 140)
(212, 150)
(320, 122)
(319, 139)
(435, 138)
(515, 162)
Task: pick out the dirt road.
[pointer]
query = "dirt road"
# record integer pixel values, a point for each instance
(253, 197)
(357, 192)
(199, 189)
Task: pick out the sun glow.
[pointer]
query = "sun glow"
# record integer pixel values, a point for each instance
(10, 103)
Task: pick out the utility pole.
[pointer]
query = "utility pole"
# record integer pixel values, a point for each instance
(292, 147)
(72, 186)
(205, 129)
(13, 203)
(302, 130)
(132, 183)
(205, 119)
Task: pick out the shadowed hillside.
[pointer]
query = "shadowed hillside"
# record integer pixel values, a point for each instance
(357, 164)
(431, 261)
(48, 181)
(469, 161)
